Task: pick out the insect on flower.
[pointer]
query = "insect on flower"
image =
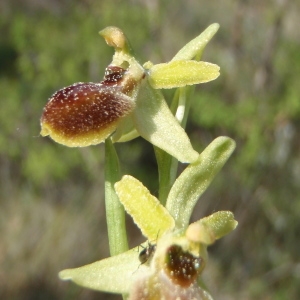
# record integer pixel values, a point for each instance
(147, 253)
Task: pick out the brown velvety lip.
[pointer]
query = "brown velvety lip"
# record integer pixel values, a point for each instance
(82, 110)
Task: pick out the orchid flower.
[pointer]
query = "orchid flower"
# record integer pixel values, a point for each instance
(128, 102)
(170, 265)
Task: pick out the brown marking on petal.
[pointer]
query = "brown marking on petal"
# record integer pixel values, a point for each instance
(84, 113)
(113, 75)
(182, 267)
(128, 85)
(117, 76)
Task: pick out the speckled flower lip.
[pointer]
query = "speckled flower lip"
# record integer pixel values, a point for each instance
(85, 114)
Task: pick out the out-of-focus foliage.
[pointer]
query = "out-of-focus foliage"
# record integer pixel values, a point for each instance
(50, 195)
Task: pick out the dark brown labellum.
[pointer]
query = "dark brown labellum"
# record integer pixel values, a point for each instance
(182, 267)
(84, 113)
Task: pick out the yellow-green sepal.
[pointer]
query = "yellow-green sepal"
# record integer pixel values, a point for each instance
(155, 122)
(195, 179)
(114, 274)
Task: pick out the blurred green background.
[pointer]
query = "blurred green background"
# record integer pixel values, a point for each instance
(51, 197)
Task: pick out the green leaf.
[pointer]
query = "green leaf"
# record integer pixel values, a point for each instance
(150, 216)
(180, 73)
(196, 46)
(195, 179)
(114, 274)
(155, 123)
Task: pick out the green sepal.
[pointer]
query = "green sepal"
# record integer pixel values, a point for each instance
(155, 122)
(195, 179)
(114, 274)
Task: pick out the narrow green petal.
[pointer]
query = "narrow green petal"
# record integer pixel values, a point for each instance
(180, 73)
(150, 216)
(195, 179)
(113, 274)
(220, 223)
(196, 46)
(155, 123)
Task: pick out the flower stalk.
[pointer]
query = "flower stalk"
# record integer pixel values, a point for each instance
(115, 214)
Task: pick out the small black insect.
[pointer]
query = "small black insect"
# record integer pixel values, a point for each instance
(147, 253)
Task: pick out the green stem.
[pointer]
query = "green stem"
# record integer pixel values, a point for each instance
(115, 215)
(167, 171)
